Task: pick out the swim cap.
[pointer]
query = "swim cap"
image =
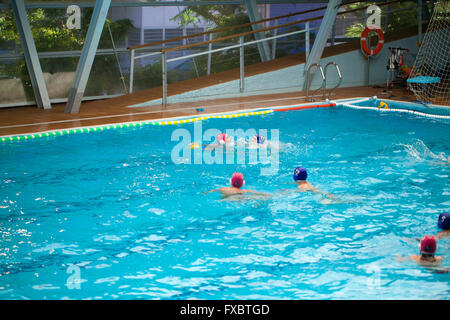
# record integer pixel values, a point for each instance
(300, 174)
(194, 145)
(444, 221)
(237, 180)
(259, 138)
(222, 138)
(428, 245)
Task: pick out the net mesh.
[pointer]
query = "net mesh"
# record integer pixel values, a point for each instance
(430, 76)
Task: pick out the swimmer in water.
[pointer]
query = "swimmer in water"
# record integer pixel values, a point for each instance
(237, 182)
(258, 140)
(222, 139)
(428, 247)
(444, 224)
(300, 176)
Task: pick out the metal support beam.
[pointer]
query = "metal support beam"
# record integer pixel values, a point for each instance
(419, 20)
(322, 36)
(307, 41)
(87, 55)
(241, 65)
(130, 89)
(30, 54)
(164, 78)
(253, 14)
(151, 3)
(274, 41)
(208, 65)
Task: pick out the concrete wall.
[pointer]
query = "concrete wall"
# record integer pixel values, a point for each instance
(352, 64)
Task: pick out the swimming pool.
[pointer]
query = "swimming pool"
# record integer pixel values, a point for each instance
(112, 209)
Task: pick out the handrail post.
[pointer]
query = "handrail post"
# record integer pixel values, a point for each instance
(131, 70)
(241, 63)
(308, 81)
(307, 41)
(274, 41)
(208, 66)
(164, 78)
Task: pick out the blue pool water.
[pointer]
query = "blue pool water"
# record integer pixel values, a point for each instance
(137, 226)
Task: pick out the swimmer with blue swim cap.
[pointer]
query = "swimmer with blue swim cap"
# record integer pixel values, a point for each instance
(258, 139)
(444, 224)
(300, 176)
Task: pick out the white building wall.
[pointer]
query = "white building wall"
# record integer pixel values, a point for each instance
(132, 13)
(151, 17)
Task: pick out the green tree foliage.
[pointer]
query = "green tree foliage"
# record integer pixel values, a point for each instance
(51, 34)
(396, 20)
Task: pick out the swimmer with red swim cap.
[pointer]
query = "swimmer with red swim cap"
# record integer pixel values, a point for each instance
(237, 182)
(428, 247)
(221, 139)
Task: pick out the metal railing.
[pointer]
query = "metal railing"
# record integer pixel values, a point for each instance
(241, 46)
(325, 81)
(134, 57)
(323, 86)
(309, 80)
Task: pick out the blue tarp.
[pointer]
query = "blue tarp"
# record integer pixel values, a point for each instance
(424, 79)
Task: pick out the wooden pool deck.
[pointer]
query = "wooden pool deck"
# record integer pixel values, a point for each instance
(22, 120)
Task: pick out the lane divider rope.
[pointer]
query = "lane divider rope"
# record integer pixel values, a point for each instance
(307, 107)
(436, 116)
(61, 132)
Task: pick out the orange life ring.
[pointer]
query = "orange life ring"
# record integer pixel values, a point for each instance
(365, 48)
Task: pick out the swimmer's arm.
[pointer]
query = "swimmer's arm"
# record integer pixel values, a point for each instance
(318, 191)
(442, 234)
(210, 191)
(212, 146)
(403, 259)
(259, 193)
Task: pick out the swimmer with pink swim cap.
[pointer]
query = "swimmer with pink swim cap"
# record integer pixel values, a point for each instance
(237, 182)
(222, 139)
(428, 247)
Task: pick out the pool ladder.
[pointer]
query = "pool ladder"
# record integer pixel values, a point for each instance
(323, 86)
